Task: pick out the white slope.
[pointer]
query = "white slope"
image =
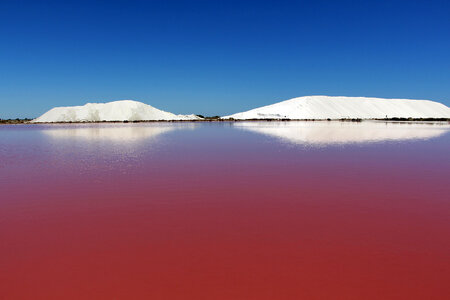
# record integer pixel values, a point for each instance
(326, 107)
(123, 110)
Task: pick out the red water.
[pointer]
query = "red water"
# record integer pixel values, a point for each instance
(214, 212)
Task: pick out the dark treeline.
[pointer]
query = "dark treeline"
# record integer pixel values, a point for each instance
(218, 119)
(14, 121)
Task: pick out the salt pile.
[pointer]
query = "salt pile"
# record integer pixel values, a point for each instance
(123, 110)
(325, 107)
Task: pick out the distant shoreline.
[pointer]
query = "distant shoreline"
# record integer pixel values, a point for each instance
(215, 119)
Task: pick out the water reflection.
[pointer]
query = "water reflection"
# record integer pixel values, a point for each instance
(322, 133)
(113, 132)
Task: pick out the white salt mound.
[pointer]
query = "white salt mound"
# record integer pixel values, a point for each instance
(326, 107)
(123, 110)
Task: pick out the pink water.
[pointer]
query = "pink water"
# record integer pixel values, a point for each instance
(223, 211)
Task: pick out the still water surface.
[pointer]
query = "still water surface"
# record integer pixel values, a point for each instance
(246, 210)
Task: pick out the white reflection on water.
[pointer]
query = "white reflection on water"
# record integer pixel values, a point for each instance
(323, 133)
(113, 132)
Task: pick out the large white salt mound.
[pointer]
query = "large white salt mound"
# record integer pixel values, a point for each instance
(326, 107)
(123, 110)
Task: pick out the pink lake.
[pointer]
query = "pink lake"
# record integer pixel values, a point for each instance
(245, 210)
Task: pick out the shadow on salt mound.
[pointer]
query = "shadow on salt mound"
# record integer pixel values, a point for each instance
(328, 133)
(113, 132)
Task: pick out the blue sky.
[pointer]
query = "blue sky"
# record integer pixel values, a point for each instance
(219, 57)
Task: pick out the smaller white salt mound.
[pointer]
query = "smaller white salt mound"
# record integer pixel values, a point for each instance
(326, 107)
(123, 110)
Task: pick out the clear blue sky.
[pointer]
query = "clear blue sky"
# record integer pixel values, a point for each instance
(219, 57)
